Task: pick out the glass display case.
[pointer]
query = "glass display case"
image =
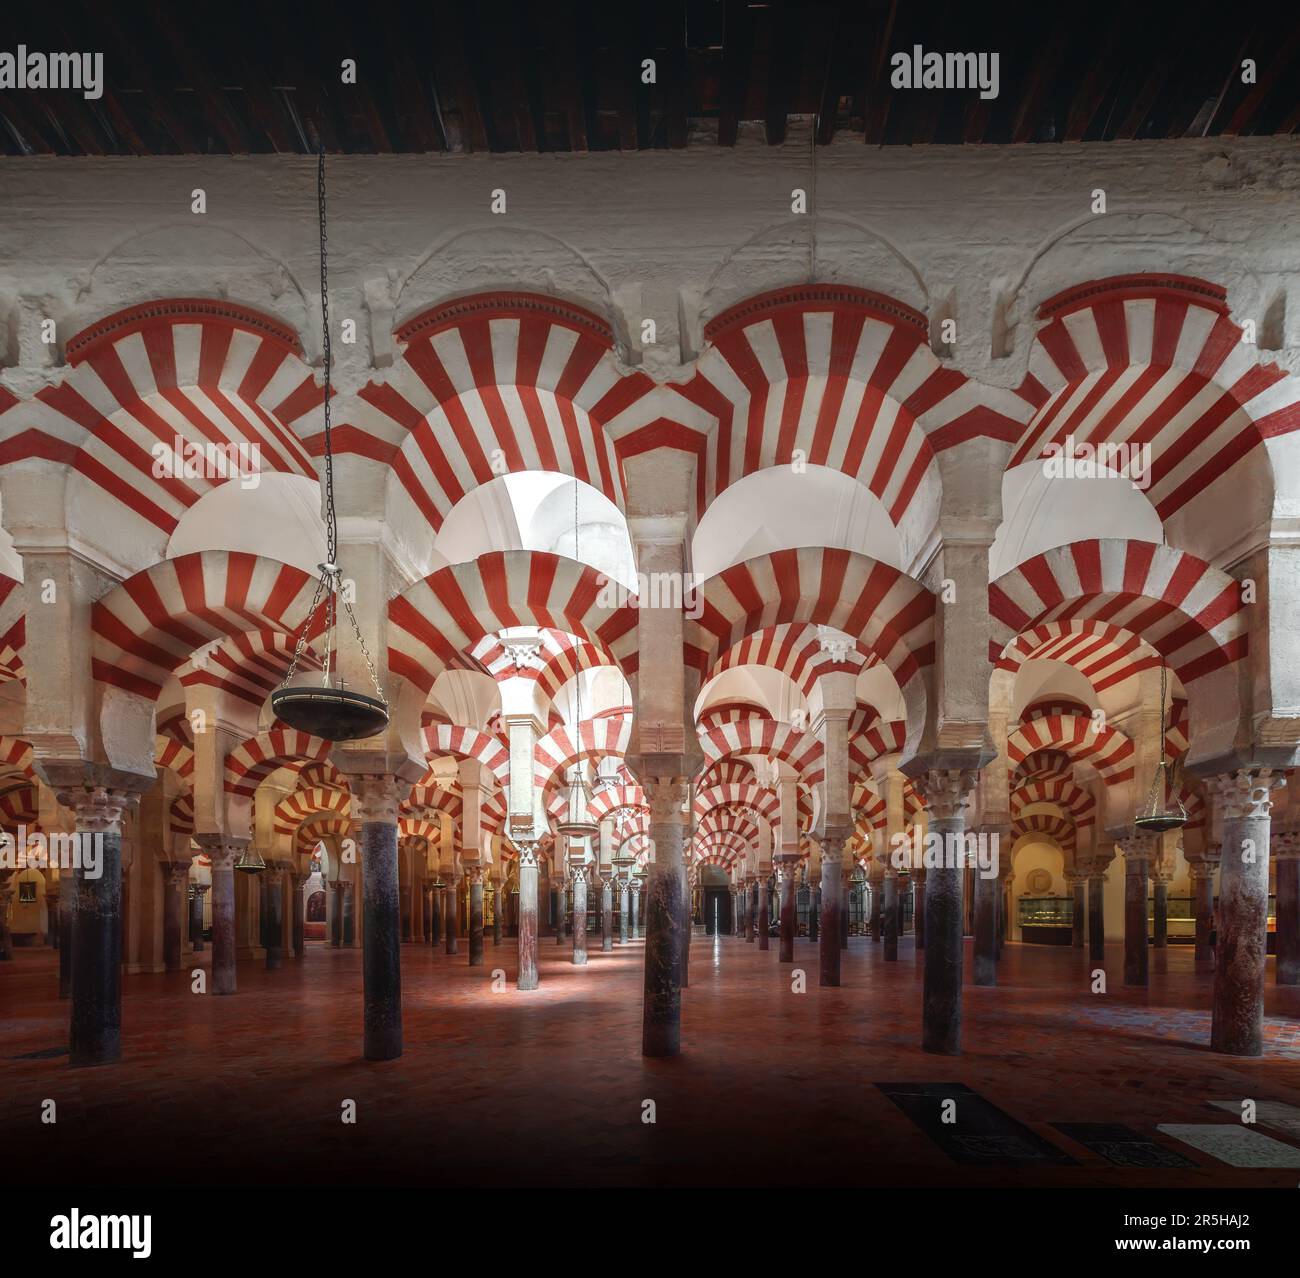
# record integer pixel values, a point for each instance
(1046, 920)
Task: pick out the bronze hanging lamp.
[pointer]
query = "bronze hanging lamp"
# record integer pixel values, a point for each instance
(329, 710)
(251, 861)
(1156, 815)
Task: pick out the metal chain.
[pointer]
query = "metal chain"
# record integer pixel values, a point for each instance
(327, 587)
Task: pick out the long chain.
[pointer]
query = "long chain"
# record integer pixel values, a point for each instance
(327, 586)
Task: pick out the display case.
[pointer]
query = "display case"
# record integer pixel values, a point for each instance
(1046, 920)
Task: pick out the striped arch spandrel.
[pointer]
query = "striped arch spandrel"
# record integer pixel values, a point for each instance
(887, 613)
(161, 404)
(1149, 375)
(1192, 614)
(435, 624)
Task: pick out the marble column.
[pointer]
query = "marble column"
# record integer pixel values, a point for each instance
(665, 914)
(528, 929)
(1079, 895)
(751, 910)
(688, 915)
(890, 915)
(636, 910)
(1096, 913)
(223, 853)
(1287, 938)
(1137, 850)
(451, 915)
(349, 914)
(1244, 797)
(475, 872)
(6, 901)
(196, 917)
(918, 907)
(375, 798)
(832, 920)
(606, 913)
(764, 922)
(176, 878)
(298, 880)
(846, 913)
(1160, 904)
(67, 914)
(946, 792)
(336, 887)
(814, 911)
(624, 908)
(559, 908)
(273, 916)
(52, 914)
(435, 931)
(877, 927)
(1202, 875)
(987, 889)
(578, 888)
(787, 876)
(500, 898)
(96, 1029)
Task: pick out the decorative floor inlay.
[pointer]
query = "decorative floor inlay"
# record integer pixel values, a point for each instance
(1235, 1145)
(1122, 1145)
(980, 1133)
(1276, 1115)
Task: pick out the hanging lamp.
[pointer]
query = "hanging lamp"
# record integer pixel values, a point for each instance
(576, 822)
(250, 861)
(1156, 815)
(329, 710)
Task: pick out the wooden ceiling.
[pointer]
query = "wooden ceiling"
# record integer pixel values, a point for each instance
(248, 78)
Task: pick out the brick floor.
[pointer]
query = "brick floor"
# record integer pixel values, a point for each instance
(547, 1088)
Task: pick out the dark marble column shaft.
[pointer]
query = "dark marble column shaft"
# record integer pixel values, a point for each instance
(1287, 938)
(381, 939)
(96, 1029)
(764, 922)
(451, 916)
(223, 917)
(665, 914)
(67, 915)
(1079, 918)
(1203, 913)
(789, 910)
(1097, 917)
(273, 903)
(832, 920)
(986, 935)
(475, 873)
(918, 907)
(1137, 869)
(890, 916)
(1237, 1023)
(176, 878)
(1160, 908)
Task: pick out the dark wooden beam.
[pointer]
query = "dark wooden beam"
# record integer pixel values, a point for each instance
(674, 70)
(825, 28)
(1100, 75)
(1278, 61)
(417, 128)
(137, 75)
(877, 94)
(1045, 68)
(737, 46)
(267, 111)
(192, 68)
(457, 83)
(26, 122)
(560, 40)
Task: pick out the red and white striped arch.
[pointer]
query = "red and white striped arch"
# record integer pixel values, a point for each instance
(1104, 654)
(436, 623)
(314, 829)
(1061, 791)
(794, 650)
(204, 371)
(441, 739)
(493, 384)
(561, 657)
(1105, 749)
(1043, 765)
(842, 375)
(727, 770)
(1059, 829)
(724, 848)
(560, 749)
(148, 626)
(1191, 613)
(768, 739)
(180, 816)
(748, 795)
(742, 821)
(16, 758)
(299, 806)
(730, 712)
(409, 827)
(1153, 360)
(13, 630)
(885, 610)
(615, 799)
(168, 752)
(249, 665)
(252, 761)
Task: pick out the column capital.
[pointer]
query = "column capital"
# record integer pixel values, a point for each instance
(177, 873)
(221, 850)
(528, 854)
(376, 796)
(946, 792)
(1136, 846)
(98, 809)
(1245, 791)
(667, 797)
(1285, 846)
(475, 871)
(300, 879)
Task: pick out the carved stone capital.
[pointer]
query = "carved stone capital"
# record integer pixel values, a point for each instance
(1245, 792)
(666, 797)
(376, 795)
(221, 850)
(475, 872)
(946, 792)
(1137, 847)
(98, 809)
(528, 856)
(176, 873)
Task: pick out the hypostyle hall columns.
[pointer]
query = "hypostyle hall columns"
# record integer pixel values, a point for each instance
(1237, 1027)
(196, 917)
(624, 907)
(665, 917)
(606, 912)
(1097, 910)
(578, 886)
(96, 1029)
(945, 792)
(1202, 870)
(1078, 882)
(787, 871)
(1286, 852)
(375, 797)
(475, 872)
(1137, 850)
(298, 880)
(223, 852)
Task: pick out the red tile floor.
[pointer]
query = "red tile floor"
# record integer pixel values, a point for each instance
(547, 1088)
